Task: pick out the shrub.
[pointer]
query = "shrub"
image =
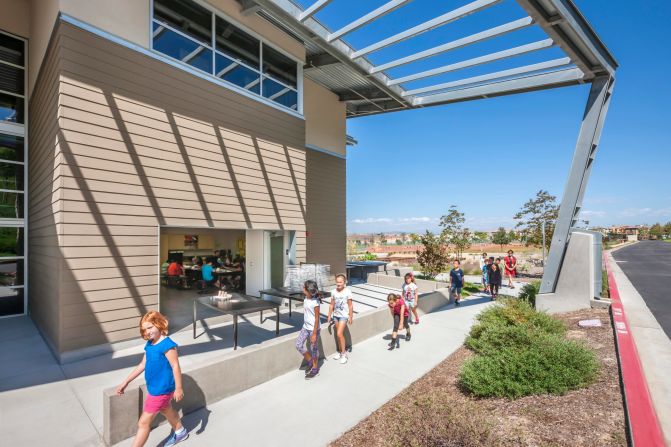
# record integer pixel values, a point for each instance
(549, 364)
(514, 312)
(522, 351)
(529, 292)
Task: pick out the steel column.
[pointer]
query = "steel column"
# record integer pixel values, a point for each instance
(581, 167)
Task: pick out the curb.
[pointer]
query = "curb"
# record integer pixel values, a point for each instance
(644, 428)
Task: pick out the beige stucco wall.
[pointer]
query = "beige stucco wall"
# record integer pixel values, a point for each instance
(324, 114)
(15, 17)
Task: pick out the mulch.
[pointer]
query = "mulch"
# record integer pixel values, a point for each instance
(436, 411)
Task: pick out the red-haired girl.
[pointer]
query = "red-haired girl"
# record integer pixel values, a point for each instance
(163, 377)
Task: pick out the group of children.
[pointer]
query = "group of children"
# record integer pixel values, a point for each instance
(160, 362)
(493, 272)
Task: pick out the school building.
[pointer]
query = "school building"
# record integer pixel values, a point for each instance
(133, 131)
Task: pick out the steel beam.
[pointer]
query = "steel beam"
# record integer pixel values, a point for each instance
(581, 167)
(563, 22)
(373, 15)
(468, 40)
(248, 7)
(427, 26)
(569, 76)
(505, 54)
(286, 12)
(313, 9)
(525, 70)
(321, 60)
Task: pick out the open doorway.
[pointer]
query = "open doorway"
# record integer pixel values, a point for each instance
(197, 261)
(242, 262)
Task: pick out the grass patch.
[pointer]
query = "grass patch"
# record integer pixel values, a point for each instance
(605, 287)
(469, 289)
(522, 352)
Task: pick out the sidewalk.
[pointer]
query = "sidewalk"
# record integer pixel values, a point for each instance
(652, 344)
(290, 411)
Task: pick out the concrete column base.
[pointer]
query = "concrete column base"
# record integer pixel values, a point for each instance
(575, 287)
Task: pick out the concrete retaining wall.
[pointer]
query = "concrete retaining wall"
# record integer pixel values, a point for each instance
(395, 282)
(242, 369)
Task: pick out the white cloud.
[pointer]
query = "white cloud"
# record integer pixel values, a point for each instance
(645, 212)
(592, 214)
(369, 220)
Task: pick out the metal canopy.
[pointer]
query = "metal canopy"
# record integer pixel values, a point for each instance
(368, 88)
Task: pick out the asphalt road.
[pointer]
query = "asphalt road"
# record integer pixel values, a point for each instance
(647, 264)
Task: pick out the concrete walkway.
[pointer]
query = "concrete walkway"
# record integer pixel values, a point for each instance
(652, 344)
(48, 404)
(290, 411)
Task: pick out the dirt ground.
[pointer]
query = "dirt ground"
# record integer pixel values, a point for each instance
(435, 411)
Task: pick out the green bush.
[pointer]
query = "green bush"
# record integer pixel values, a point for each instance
(515, 312)
(529, 292)
(549, 364)
(522, 351)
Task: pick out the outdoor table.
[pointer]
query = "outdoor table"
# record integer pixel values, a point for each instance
(236, 307)
(288, 293)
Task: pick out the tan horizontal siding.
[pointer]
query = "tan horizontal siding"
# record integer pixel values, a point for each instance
(326, 210)
(130, 144)
(43, 281)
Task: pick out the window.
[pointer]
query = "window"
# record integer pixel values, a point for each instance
(192, 34)
(12, 170)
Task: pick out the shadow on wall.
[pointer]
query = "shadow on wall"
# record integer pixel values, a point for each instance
(193, 407)
(134, 158)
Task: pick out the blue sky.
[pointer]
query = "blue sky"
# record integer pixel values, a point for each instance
(489, 156)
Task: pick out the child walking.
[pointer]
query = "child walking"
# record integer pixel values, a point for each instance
(456, 281)
(342, 311)
(495, 280)
(399, 312)
(310, 328)
(163, 377)
(485, 275)
(410, 295)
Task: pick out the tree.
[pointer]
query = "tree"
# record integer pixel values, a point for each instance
(461, 241)
(656, 231)
(433, 258)
(512, 236)
(667, 229)
(414, 238)
(404, 238)
(383, 238)
(453, 232)
(480, 236)
(500, 237)
(532, 215)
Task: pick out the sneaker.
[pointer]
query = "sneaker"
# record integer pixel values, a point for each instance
(407, 337)
(392, 345)
(398, 344)
(417, 322)
(343, 359)
(336, 356)
(174, 438)
(456, 302)
(314, 372)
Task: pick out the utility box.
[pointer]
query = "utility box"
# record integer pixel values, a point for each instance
(597, 259)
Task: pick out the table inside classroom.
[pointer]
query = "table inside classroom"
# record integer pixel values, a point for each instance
(289, 293)
(236, 307)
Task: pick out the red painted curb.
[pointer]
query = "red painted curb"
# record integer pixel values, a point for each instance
(643, 424)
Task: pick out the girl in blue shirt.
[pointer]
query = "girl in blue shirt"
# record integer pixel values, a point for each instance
(163, 377)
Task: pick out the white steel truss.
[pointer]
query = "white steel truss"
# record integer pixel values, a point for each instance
(587, 60)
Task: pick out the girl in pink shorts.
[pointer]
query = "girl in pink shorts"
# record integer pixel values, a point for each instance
(163, 377)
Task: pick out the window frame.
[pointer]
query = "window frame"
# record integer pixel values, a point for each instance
(212, 46)
(20, 130)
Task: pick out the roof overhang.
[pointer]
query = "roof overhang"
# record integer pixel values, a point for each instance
(367, 89)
